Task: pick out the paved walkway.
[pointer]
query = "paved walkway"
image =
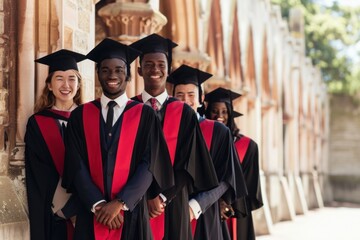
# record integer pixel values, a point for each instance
(329, 223)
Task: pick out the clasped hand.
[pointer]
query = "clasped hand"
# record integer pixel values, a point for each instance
(156, 207)
(109, 214)
(226, 210)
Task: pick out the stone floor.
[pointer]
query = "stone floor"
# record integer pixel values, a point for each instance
(334, 222)
(13, 219)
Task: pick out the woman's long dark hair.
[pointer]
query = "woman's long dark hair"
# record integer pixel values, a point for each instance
(235, 131)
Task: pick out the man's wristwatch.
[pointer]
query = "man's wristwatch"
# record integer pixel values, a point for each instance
(124, 208)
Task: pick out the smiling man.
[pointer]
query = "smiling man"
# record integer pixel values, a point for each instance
(193, 168)
(114, 150)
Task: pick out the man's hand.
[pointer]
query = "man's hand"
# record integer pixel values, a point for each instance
(156, 207)
(99, 206)
(191, 213)
(117, 222)
(106, 212)
(226, 210)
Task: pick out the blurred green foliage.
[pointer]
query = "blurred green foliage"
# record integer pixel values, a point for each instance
(330, 31)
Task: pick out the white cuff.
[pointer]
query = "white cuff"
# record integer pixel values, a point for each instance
(162, 196)
(125, 207)
(95, 204)
(195, 207)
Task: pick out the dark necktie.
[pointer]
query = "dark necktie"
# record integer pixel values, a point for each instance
(153, 102)
(63, 129)
(109, 117)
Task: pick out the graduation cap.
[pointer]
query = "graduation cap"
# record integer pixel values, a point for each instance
(223, 95)
(189, 75)
(155, 43)
(109, 48)
(62, 60)
(236, 114)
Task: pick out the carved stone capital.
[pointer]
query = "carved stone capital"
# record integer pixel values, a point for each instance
(198, 60)
(132, 19)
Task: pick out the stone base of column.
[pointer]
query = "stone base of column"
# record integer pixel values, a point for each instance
(280, 201)
(312, 190)
(301, 206)
(287, 204)
(317, 190)
(263, 223)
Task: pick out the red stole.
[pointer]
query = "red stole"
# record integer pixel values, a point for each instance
(50, 131)
(241, 147)
(129, 128)
(171, 127)
(207, 128)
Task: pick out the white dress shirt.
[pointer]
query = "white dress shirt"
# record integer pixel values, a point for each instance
(160, 98)
(121, 102)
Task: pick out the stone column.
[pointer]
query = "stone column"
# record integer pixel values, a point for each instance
(4, 89)
(26, 73)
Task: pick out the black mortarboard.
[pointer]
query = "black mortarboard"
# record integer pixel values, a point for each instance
(236, 114)
(109, 48)
(186, 75)
(155, 43)
(221, 95)
(61, 60)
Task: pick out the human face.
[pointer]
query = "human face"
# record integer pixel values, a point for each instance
(112, 77)
(188, 93)
(64, 85)
(219, 112)
(154, 70)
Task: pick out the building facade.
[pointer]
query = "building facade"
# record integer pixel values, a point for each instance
(245, 44)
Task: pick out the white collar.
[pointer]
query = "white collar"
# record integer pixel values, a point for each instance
(121, 100)
(160, 98)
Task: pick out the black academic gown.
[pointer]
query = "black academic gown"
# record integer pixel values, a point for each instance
(42, 178)
(146, 153)
(193, 171)
(250, 167)
(228, 169)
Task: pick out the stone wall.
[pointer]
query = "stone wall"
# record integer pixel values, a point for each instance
(13, 218)
(344, 159)
(4, 83)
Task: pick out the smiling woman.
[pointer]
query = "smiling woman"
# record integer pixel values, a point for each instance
(51, 209)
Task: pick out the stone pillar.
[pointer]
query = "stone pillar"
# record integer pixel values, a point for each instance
(25, 73)
(4, 89)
